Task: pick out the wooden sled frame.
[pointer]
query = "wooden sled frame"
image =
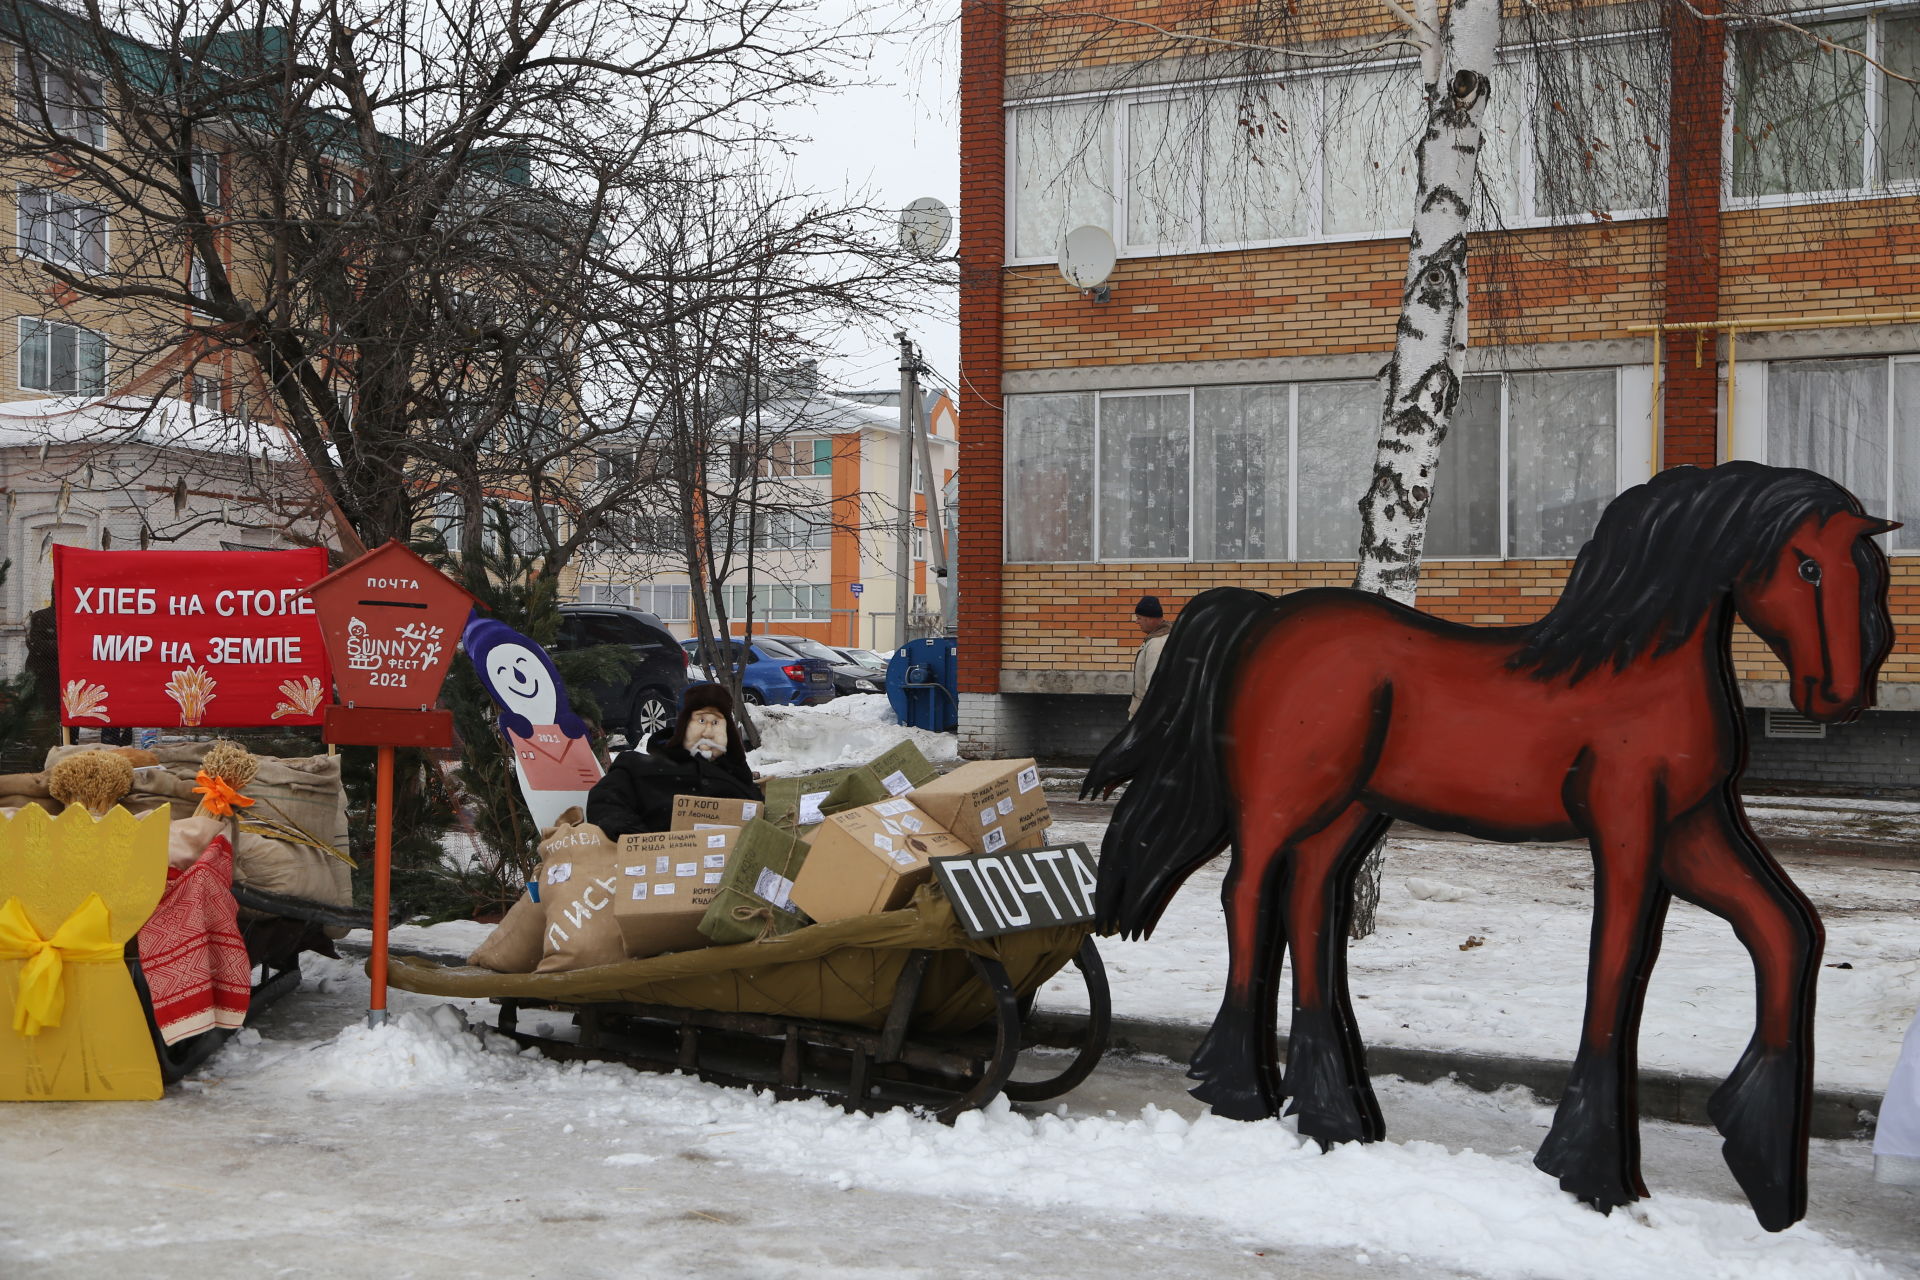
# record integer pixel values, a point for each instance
(856, 1068)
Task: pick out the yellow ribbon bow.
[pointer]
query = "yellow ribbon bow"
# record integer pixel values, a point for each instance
(83, 939)
(220, 795)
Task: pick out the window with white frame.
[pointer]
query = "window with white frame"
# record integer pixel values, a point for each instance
(780, 602)
(798, 456)
(61, 357)
(919, 543)
(1852, 420)
(204, 391)
(72, 103)
(206, 169)
(1330, 156)
(1275, 471)
(793, 530)
(61, 230)
(1829, 109)
(668, 601)
(620, 593)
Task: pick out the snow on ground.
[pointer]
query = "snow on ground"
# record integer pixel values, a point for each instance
(524, 1139)
(848, 730)
(1520, 990)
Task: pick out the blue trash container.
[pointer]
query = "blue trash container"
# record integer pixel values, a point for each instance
(923, 684)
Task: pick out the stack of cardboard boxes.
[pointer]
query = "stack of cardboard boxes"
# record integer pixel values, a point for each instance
(827, 846)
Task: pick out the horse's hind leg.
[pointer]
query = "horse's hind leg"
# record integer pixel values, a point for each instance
(1762, 1110)
(1237, 1064)
(1326, 1062)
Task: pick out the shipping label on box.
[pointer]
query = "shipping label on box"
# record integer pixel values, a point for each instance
(870, 859)
(667, 881)
(690, 813)
(755, 897)
(795, 803)
(992, 805)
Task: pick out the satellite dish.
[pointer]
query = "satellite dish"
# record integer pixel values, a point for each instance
(1087, 257)
(925, 226)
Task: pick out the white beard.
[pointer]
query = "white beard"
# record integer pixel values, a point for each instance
(708, 748)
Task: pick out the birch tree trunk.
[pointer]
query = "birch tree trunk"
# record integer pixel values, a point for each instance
(1423, 378)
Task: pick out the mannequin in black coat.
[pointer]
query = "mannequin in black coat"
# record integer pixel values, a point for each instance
(700, 756)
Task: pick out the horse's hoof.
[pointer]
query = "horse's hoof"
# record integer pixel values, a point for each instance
(1761, 1111)
(1332, 1099)
(1592, 1149)
(1235, 1102)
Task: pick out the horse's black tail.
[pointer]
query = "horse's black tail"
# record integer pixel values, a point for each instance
(1177, 811)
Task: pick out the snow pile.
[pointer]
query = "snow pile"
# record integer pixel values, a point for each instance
(1490, 1216)
(848, 730)
(420, 1049)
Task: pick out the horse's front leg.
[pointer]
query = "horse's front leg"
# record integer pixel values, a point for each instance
(1238, 1064)
(1594, 1145)
(1326, 1063)
(1762, 1110)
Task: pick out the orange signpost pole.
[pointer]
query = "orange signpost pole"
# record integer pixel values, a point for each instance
(382, 882)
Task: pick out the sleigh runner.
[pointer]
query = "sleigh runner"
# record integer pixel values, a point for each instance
(896, 1009)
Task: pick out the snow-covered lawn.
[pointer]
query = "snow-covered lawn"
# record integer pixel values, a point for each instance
(1520, 989)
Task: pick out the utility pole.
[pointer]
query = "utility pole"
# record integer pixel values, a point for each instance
(936, 531)
(909, 405)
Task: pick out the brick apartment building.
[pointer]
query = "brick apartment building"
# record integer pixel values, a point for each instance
(1213, 421)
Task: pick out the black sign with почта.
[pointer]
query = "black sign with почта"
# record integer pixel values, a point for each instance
(996, 893)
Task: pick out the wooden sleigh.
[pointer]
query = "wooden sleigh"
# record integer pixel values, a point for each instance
(900, 1009)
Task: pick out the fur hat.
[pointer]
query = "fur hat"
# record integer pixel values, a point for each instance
(1149, 607)
(710, 697)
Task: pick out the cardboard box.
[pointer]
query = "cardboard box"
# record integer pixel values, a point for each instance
(870, 859)
(794, 803)
(990, 804)
(894, 772)
(691, 813)
(756, 893)
(665, 882)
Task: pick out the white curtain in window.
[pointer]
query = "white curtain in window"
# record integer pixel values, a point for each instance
(1600, 108)
(1049, 478)
(1906, 457)
(1830, 416)
(1063, 173)
(1339, 431)
(1144, 442)
(1502, 151)
(1900, 115)
(1256, 149)
(1240, 476)
(1162, 198)
(1373, 121)
(1800, 110)
(1562, 452)
(1465, 517)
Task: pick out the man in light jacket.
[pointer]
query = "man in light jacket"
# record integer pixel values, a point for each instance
(1152, 621)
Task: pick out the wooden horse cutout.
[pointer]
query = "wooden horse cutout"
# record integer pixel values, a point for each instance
(1297, 728)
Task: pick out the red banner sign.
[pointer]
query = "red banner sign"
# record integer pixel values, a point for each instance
(218, 639)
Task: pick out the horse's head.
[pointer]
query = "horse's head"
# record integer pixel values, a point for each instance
(1820, 604)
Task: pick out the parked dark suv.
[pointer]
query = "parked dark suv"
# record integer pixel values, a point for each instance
(649, 699)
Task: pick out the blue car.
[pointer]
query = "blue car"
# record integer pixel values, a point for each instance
(775, 675)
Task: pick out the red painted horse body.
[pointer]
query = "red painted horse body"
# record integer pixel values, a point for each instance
(1297, 729)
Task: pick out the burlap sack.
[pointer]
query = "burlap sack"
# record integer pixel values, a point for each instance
(187, 838)
(578, 876)
(514, 945)
(20, 789)
(291, 837)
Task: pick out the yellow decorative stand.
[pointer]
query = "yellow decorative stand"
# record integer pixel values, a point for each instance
(73, 890)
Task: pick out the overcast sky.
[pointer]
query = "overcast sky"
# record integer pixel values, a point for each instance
(898, 138)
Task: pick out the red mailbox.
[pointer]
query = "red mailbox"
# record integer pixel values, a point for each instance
(390, 622)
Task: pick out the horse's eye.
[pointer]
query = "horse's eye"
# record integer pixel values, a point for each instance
(1810, 570)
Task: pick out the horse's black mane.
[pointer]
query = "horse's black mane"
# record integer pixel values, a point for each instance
(1663, 553)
